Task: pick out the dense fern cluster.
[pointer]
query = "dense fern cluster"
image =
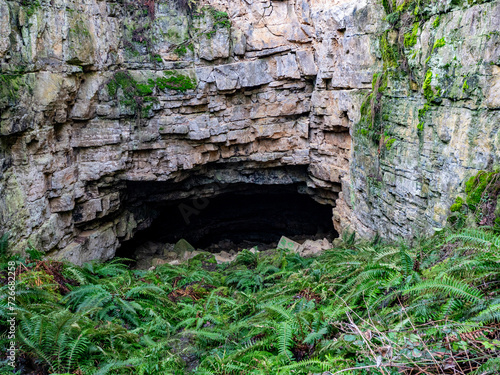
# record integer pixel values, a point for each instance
(429, 307)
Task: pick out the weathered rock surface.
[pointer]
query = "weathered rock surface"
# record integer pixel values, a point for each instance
(96, 94)
(311, 248)
(154, 254)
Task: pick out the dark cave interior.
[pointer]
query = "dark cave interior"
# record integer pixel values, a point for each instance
(247, 214)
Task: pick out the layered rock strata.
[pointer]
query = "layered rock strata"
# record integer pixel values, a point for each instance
(98, 94)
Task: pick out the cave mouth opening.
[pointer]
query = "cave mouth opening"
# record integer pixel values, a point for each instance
(243, 216)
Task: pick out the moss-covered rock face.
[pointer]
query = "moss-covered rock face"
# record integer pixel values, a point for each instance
(480, 187)
(436, 107)
(380, 110)
(480, 206)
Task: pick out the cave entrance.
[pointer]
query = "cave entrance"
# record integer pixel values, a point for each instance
(243, 216)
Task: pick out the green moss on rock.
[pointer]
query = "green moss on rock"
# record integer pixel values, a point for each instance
(176, 81)
(438, 43)
(436, 22)
(411, 37)
(457, 206)
(9, 87)
(477, 186)
(465, 86)
(180, 51)
(389, 144)
(427, 88)
(132, 94)
(204, 257)
(390, 53)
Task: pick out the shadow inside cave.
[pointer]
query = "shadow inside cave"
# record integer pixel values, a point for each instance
(247, 215)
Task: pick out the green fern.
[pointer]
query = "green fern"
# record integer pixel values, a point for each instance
(473, 236)
(451, 286)
(262, 314)
(285, 340)
(56, 339)
(491, 366)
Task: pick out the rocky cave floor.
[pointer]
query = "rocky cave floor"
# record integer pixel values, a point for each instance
(150, 254)
(253, 217)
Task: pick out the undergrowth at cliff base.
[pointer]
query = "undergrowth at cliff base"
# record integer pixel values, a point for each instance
(431, 306)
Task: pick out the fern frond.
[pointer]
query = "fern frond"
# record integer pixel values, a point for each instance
(454, 287)
(315, 336)
(491, 366)
(476, 236)
(285, 340)
(489, 315)
(205, 335)
(307, 364)
(276, 311)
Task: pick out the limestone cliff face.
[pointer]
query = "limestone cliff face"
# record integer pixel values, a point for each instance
(437, 124)
(97, 94)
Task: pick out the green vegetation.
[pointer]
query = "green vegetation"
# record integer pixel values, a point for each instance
(30, 6)
(438, 43)
(390, 53)
(480, 186)
(481, 201)
(427, 88)
(389, 143)
(389, 308)
(10, 84)
(429, 95)
(175, 81)
(411, 38)
(138, 35)
(132, 94)
(465, 86)
(180, 51)
(457, 206)
(220, 20)
(370, 124)
(421, 115)
(436, 22)
(407, 17)
(139, 97)
(492, 33)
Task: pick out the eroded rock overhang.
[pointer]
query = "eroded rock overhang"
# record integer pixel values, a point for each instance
(263, 99)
